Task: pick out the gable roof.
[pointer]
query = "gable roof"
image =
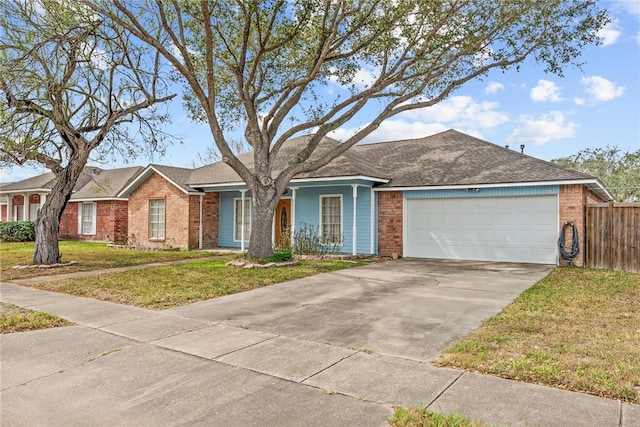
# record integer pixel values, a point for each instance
(106, 184)
(93, 184)
(455, 158)
(176, 176)
(348, 164)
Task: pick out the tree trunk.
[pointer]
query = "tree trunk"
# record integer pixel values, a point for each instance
(264, 205)
(48, 225)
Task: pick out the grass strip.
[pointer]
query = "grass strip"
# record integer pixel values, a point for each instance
(18, 319)
(421, 417)
(577, 329)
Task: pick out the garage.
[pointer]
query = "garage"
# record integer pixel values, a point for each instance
(511, 229)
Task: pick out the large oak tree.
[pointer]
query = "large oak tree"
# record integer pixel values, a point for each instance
(266, 66)
(72, 85)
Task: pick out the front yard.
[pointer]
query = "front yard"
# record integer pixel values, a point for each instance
(89, 255)
(154, 287)
(577, 329)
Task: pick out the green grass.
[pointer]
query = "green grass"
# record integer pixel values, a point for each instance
(17, 319)
(421, 417)
(179, 284)
(90, 256)
(577, 329)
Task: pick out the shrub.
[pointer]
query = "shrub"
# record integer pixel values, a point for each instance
(19, 231)
(307, 241)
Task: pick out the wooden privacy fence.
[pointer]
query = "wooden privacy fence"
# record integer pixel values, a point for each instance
(613, 236)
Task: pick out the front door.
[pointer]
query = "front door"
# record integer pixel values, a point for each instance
(283, 220)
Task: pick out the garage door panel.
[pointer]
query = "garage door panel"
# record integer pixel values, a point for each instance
(518, 229)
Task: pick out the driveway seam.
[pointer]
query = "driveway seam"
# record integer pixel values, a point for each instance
(445, 389)
(330, 366)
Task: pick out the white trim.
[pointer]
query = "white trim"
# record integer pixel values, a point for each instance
(106, 199)
(354, 229)
(94, 222)
(200, 226)
(28, 190)
(139, 180)
(322, 196)
(164, 219)
(372, 215)
(293, 215)
(299, 180)
(25, 206)
(243, 199)
(505, 184)
(405, 233)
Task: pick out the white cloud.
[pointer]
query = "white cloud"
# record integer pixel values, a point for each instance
(493, 87)
(610, 33)
(461, 112)
(545, 128)
(545, 91)
(579, 101)
(630, 6)
(391, 130)
(601, 89)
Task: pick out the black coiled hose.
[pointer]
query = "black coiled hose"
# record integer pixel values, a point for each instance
(569, 255)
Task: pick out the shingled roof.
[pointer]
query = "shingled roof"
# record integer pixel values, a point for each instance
(45, 181)
(454, 158)
(105, 184)
(349, 164)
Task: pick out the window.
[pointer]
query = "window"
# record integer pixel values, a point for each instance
(19, 212)
(87, 218)
(331, 220)
(156, 219)
(238, 220)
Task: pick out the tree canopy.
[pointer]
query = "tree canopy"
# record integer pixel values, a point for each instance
(618, 169)
(278, 69)
(72, 85)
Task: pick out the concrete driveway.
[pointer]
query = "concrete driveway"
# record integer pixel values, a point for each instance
(335, 349)
(408, 308)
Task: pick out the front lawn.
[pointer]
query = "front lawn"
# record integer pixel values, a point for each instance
(577, 329)
(421, 417)
(17, 319)
(179, 284)
(90, 256)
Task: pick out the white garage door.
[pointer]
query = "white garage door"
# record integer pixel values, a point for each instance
(515, 229)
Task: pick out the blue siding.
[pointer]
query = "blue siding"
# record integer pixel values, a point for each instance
(225, 238)
(308, 212)
(484, 192)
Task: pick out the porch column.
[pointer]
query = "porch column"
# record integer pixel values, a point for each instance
(43, 198)
(293, 214)
(372, 216)
(355, 228)
(10, 208)
(242, 192)
(200, 223)
(25, 207)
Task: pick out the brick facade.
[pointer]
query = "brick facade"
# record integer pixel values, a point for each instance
(112, 221)
(390, 223)
(573, 199)
(3, 213)
(182, 215)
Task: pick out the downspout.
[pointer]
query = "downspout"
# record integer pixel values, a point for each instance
(200, 225)
(10, 208)
(355, 228)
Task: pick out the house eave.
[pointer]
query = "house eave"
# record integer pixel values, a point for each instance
(295, 181)
(27, 190)
(593, 184)
(143, 176)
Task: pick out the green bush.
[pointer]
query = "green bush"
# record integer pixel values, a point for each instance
(19, 231)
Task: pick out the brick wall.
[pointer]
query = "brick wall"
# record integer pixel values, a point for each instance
(69, 222)
(176, 213)
(572, 204)
(389, 223)
(210, 220)
(3, 213)
(111, 221)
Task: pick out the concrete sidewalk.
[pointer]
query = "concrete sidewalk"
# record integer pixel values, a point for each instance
(221, 362)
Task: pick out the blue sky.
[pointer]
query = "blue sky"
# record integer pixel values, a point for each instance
(597, 106)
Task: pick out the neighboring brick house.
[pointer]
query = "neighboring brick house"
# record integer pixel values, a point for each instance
(94, 211)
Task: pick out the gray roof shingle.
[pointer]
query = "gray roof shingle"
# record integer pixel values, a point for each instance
(455, 158)
(106, 183)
